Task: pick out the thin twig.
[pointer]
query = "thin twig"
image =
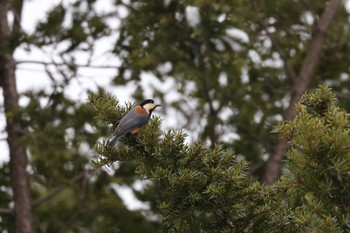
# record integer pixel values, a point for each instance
(342, 95)
(65, 64)
(6, 211)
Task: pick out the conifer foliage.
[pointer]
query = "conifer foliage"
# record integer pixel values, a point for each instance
(207, 190)
(319, 163)
(200, 188)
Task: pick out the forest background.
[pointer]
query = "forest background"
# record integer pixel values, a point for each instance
(226, 74)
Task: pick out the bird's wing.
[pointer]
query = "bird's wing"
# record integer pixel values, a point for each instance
(131, 121)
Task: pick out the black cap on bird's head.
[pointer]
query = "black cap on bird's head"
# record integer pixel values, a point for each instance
(147, 101)
(149, 105)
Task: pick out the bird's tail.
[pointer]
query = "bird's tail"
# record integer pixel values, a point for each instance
(113, 140)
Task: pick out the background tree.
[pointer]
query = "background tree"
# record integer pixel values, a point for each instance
(54, 134)
(238, 64)
(18, 157)
(234, 67)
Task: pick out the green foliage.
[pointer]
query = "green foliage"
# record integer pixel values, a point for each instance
(87, 26)
(319, 162)
(236, 86)
(68, 194)
(7, 221)
(232, 86)
(202, 189)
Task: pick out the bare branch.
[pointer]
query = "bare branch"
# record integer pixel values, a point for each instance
(300, 85)
(342, 95)
(313, 56)
(65, 64)
(6, 211)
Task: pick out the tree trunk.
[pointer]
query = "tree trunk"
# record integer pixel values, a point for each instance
(18, 158)
(300, 85)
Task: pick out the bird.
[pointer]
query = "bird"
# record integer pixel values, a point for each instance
(134, 120)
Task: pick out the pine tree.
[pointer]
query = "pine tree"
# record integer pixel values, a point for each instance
(202, 189)
(237, 65)
(68, 194)
(319, 163)
(243, 83)
(199, 188)
(57, 190)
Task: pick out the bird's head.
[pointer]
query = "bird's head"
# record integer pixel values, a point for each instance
(149, 105)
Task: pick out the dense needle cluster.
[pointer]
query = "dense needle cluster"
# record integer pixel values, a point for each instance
(209, 190)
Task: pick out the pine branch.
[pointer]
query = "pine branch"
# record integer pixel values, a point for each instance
(191, 178)
(319, 162)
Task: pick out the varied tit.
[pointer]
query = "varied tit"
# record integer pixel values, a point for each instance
(134, 120)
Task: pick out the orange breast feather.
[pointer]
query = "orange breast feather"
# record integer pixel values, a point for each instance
(140, 110)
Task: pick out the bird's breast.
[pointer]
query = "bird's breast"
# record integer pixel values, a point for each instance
(139, 110)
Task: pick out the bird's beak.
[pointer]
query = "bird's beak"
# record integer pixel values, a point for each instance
(158, 105)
